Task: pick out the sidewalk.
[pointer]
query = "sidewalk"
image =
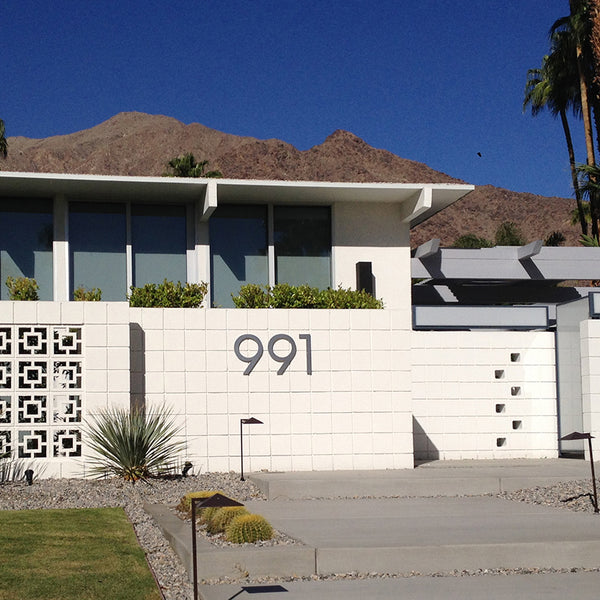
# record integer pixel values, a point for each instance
(437, 478)
(407, 533)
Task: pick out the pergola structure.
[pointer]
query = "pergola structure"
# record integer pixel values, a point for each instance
(505, 286)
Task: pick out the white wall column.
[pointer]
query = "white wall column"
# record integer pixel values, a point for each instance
(60, 250)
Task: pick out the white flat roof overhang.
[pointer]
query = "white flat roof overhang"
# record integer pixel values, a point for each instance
(419, 200)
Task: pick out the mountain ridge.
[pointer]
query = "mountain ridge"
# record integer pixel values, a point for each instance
(135, 143)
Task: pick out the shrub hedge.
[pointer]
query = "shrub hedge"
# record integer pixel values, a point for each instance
(283, 295)
(168, 295)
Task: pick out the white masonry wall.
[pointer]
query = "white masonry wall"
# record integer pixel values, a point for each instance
(352, 412)
(484, 394)
(590, 381)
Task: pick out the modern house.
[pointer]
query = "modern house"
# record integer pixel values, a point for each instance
(335, 389)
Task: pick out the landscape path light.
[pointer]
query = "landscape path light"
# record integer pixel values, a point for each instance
(217, 500)
(249, 421)
(576, 435)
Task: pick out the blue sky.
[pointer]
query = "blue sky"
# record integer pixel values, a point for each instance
(435, 81)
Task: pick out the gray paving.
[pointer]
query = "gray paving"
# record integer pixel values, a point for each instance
(406, 534)
(437, 478)
(552, 586)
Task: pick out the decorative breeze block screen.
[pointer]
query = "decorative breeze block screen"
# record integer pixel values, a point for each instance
(41, 390)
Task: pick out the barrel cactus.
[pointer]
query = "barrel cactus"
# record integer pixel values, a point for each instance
(185, 504)
(219, 521)
(247, 529)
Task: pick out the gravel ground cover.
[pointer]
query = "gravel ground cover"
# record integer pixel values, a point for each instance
(570, 495)
(172, 578)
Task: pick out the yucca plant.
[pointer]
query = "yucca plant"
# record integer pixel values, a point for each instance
(133, 444)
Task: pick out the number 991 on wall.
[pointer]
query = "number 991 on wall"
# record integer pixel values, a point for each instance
(284, 354)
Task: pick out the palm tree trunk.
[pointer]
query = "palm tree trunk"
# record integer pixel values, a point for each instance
(569, 140)
(587, 121)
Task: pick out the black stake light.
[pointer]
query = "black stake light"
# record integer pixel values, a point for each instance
(249, 421)
(214, 500)
(576, 435)
(29, 476)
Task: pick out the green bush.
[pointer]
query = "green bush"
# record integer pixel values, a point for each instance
(247, 529)
(22, 288)
(169, 295)
(283, 295)
(81, 294)
(252, 295)
(133, 444)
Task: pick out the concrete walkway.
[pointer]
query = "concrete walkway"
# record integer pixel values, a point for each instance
(438, 478)
(405, 534)
(551, 586)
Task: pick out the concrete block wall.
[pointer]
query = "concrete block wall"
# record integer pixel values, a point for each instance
(590, 381)
(60, 362)
(482, 394)
(352, 412)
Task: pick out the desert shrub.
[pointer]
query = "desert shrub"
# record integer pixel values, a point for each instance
(556, 238)
(133, 444)
(220, 520)
(82, 294)
(169, 295)
(470, 240)
(509, 234)
(12, 469)
(22, 288)
(283, 295)
(247, 529)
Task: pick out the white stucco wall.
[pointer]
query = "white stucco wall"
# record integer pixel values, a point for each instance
(470, 395)
(373, 233)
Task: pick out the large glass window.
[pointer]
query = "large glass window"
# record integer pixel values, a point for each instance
(302, 239)
(26, 235)
(97, 244)
(158, 237)
(238, 250)
(239, 235)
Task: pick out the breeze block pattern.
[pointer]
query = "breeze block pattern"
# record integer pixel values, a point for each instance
(49, 383)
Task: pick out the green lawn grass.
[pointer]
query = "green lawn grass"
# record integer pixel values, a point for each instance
(74, 554)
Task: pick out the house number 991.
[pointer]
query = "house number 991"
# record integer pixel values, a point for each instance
(285, 359)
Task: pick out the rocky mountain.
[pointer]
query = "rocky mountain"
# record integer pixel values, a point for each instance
(141, 144)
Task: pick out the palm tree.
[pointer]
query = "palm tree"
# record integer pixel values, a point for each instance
(3, 142)
(185, 165)
(571, 41)
(555, 88)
